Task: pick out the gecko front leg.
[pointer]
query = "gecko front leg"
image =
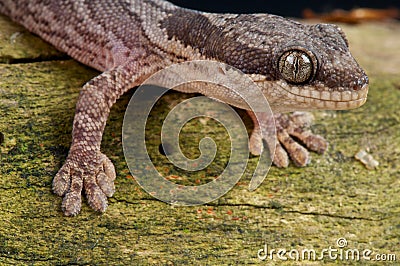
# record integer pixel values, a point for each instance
(86, 168)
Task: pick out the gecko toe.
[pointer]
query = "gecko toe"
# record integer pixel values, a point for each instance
(71, 204)
(108, 167)
(281, 158)
(96, 198)
(299, 127)
(255, 143)
(297, 153)
(316, 143)
(106, 184)
(101, 185)
(105, 178)
(62, 181)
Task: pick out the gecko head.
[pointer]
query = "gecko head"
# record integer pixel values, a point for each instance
(315, 70)
(297, 66)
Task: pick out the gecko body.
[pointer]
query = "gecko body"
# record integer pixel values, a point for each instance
(297, 66)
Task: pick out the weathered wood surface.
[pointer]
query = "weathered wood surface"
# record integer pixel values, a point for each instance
(295, 208)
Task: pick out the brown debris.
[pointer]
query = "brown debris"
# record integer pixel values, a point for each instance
(356, 15)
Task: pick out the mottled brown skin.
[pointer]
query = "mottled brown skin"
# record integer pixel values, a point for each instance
(130, 40)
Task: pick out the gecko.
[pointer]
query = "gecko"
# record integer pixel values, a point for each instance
(297, 66)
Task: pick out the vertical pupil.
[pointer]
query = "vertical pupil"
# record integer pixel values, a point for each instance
(295, 65)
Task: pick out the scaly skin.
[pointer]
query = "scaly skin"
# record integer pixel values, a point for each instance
(298, 67)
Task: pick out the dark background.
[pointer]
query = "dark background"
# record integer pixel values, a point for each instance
(280, 7)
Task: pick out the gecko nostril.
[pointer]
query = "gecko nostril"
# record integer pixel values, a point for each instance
(363, 80)
(360, 84)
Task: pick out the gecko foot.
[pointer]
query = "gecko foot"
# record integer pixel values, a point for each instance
(95, 174)
(292, 129)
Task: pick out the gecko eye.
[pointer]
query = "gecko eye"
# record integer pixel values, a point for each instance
(297, 66)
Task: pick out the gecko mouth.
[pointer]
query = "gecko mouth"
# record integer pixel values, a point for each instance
(284, 96)
(321, 97)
